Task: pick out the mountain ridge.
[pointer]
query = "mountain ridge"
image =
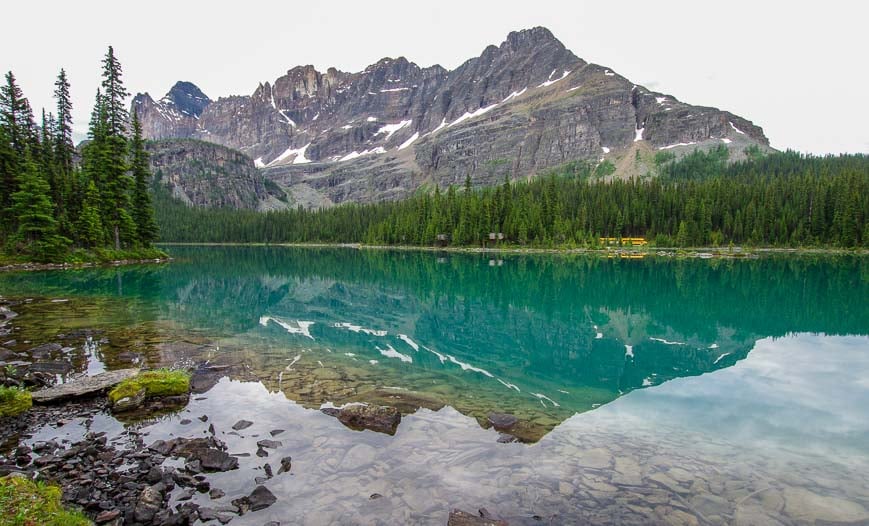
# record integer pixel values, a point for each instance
(517, 108)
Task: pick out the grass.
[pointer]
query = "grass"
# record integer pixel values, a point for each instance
(161, 382)
(24, 502)
(14, 401)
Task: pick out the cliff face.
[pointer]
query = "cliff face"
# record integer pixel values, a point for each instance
(523, 106)
(209, 175)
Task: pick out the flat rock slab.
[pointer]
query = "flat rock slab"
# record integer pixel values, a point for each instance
(84, 386)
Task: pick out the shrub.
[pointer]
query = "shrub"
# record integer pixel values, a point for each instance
(14, 401)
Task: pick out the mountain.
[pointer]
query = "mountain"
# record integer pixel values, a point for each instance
(382, 133)
(209, 175)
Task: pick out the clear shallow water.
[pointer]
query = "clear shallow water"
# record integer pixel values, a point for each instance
(660, 391)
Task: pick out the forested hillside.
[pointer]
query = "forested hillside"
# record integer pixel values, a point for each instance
(58, 204)
(782, 199)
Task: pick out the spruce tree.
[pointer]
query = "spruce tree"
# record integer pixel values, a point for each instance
(115, 95)
(37, 229)
(143, 210)
(48, 162)
(16, 115)
(113, 167)
(8, 181)
(63, 147)
(16, 121)
(89, 226)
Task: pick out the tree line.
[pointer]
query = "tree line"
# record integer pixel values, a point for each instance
(781, 199)
(57, 202)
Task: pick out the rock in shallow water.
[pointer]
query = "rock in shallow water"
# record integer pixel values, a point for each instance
(84, 386)
(242, 424)
(215, 460)
(260, 498)
(269, 444)
(377, 418)
(502, 421)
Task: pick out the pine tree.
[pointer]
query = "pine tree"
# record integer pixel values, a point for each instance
(143, 210)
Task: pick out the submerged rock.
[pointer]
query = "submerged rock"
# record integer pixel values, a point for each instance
(502, 421)
(242, 424)
(462, 518)
(381, 419)
(44, 350)
(53, 367)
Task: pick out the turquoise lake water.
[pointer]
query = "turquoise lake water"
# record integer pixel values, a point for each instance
(653, 390)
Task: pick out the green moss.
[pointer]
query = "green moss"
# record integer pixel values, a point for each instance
(161, 382)
(14, 401)
(27, 503)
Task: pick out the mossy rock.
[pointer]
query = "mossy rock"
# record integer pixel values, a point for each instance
(162, 382)
(14, 401)
(25, 502)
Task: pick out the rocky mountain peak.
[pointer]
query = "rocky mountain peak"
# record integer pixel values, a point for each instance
(188, 98)
(519, 107)
(530, 39)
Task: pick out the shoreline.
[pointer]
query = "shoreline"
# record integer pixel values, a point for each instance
(15, 267)
(699, 252)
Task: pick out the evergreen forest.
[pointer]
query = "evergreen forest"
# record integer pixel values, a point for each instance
(63, 204)
(782, 199)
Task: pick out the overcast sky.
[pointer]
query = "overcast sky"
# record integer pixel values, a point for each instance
(797, 68)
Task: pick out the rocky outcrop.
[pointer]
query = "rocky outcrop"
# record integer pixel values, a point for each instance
(204, 174)
(518, 108)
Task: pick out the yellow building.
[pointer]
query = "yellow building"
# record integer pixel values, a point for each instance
(624, 241)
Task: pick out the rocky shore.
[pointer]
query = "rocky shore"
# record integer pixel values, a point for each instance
(67, 266)
(120, 477)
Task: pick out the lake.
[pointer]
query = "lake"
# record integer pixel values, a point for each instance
(656, 390)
